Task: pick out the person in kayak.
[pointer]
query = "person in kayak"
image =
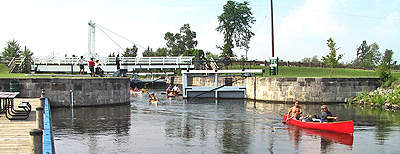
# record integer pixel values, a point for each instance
(168, 90)
(176, 90)
(295, 111)
(326, 115)
(152, 97)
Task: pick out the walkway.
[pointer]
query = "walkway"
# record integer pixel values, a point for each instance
(14, 135)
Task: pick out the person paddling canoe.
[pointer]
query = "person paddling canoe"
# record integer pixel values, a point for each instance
(295, 111)
(326, 115)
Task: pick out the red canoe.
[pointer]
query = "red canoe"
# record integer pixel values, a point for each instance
(341, 127)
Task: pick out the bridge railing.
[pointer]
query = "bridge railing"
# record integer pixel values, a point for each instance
(112, 60)
(48, 139)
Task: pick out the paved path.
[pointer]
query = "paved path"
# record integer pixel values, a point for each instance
(14, 135)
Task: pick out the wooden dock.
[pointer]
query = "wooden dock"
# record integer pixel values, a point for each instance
(14, 134)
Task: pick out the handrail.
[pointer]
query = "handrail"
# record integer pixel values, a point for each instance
(214, 65)
(11, 62)
(48, 142)
(123, 60)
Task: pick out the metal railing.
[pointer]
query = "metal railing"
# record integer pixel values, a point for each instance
(15, 64)
(112, 60)
(48, 141)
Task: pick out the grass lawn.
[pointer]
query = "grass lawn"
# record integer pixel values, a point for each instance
(5, 74)
(396, 75)
(293, 71)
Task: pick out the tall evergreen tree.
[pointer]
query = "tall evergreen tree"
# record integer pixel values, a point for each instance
(13, 49)
(27, 54)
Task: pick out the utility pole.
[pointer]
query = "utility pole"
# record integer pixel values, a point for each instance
(273, 62)
(272, 29)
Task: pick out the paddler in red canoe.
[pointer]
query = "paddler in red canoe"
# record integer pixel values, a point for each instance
(326, 115)
(295, 111)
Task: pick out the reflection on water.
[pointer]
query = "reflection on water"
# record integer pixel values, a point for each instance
(215, 126)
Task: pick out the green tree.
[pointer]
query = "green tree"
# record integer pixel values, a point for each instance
(385, 74)
(387, 58)
(161, 52)
(235, 23)
(188, 37)
(178, 43)
(27, 54)
(306, 60)
(315, 60)
(384, 69)
(331, 60)
(148, 52)
(368, 56)
(194, 52)
(130, 52)
(13, 49)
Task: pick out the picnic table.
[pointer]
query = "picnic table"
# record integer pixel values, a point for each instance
(7, 106)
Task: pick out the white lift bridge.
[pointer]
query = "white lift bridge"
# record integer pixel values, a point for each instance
(108, 64)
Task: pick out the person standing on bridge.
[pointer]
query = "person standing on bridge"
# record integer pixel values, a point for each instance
(117, 62)
(91, 67)
(80, 62)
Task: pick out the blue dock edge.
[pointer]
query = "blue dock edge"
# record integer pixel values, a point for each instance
(48, 142)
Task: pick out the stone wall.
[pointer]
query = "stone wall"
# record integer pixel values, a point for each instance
(208, 80)
(87, 91)
(290, 89)
(307, 89)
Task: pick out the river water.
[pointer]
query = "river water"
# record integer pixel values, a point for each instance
(216, 126)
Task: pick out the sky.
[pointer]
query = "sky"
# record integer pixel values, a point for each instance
(301, 27)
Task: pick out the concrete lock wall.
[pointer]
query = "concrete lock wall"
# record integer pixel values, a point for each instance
(308, 89)
(86, 92)
(208, 80)
(290, 89)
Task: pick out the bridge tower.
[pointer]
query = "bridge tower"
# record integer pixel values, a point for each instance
(91, 40)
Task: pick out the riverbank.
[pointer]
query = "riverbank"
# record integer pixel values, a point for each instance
(388, 99)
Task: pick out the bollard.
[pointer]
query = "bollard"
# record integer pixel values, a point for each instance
(71, 93)
(39, 117)
(36, 140)
(42, 97)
